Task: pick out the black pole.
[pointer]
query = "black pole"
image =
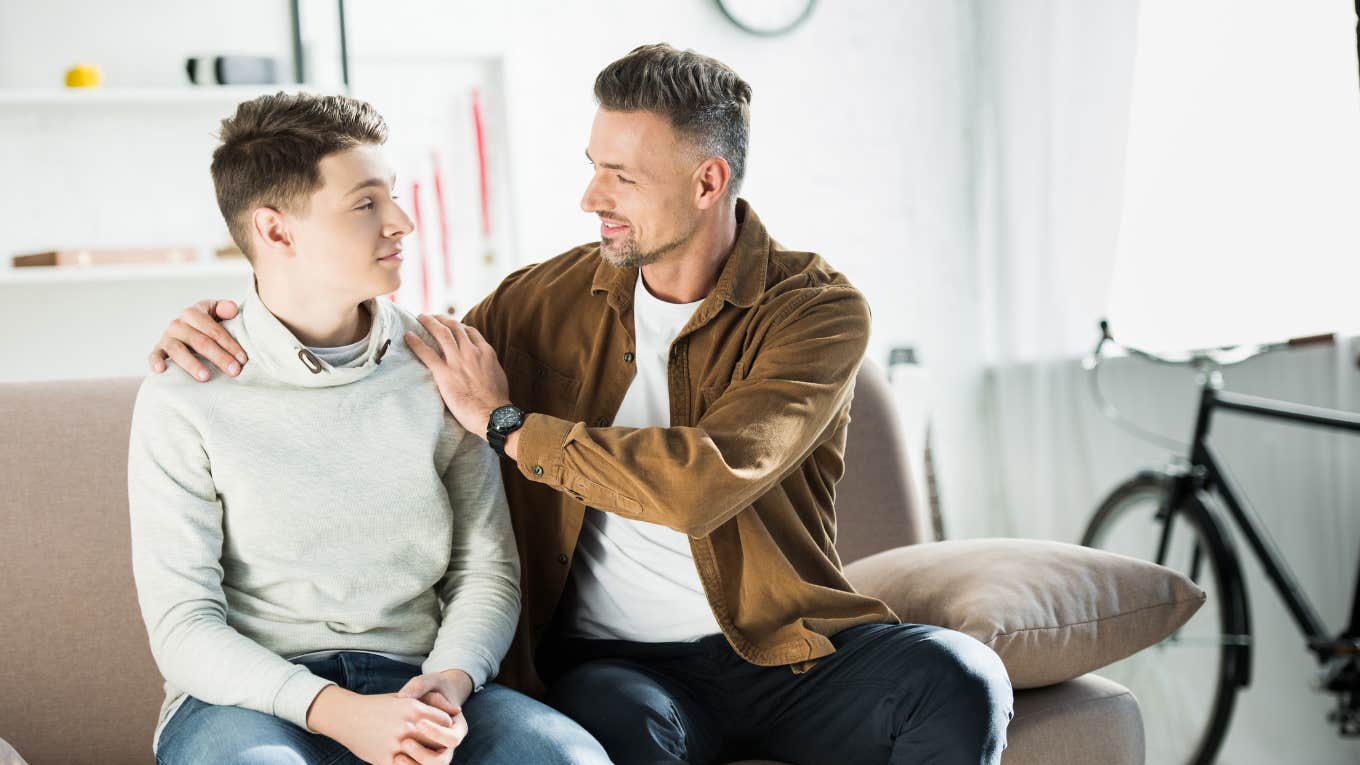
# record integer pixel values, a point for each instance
(299, 73)
(344, 45)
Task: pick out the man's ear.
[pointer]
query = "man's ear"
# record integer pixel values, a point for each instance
(711, 179)
(271, 231)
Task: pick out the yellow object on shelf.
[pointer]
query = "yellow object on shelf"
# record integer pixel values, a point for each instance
(83, 76)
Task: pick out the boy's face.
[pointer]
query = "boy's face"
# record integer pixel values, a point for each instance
(642, 189)
(347, 242)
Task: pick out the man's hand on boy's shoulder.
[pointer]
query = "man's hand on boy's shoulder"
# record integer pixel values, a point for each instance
(198, 329)
(465, 368)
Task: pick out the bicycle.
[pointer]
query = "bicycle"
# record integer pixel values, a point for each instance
(1180, 517)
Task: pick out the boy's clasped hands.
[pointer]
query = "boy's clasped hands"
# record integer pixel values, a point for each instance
(422, 724)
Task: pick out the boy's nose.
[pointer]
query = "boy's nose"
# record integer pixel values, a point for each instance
(402, 225)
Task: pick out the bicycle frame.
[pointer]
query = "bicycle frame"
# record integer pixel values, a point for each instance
(1206, 472)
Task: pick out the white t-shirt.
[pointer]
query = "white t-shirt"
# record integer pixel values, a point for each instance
(633, 580)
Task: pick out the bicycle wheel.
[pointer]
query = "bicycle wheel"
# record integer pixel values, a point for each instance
(1187, 684)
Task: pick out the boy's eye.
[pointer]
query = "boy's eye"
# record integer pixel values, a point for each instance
(365, 206)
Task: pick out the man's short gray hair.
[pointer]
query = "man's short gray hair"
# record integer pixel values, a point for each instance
(703, 98)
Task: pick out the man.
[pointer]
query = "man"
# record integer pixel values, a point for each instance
(324, 559)
(673, 423)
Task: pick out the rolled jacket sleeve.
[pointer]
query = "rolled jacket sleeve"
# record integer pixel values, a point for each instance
(763, 426)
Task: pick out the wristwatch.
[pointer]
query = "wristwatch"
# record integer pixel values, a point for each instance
(504, 421)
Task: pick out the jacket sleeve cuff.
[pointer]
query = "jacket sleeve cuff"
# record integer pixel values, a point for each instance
(294, 698)
(539, 453)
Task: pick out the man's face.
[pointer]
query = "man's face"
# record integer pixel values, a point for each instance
(642, 188)
(348, 240)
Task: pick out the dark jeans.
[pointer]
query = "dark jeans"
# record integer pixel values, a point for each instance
(503, 726)
(890, 693)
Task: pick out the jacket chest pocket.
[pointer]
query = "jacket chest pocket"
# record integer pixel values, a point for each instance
(538, 387)
(717, 383)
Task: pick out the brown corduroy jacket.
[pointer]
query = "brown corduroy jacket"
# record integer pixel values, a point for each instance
(760, 384)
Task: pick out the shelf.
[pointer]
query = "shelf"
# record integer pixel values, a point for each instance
(113, 96)
(131, 272)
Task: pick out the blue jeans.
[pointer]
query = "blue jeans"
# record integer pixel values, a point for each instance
(894, 693)
(503, 726)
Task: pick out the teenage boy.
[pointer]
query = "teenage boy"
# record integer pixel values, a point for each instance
(323, 557)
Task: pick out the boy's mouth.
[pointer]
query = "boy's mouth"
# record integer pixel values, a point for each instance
(391, 257)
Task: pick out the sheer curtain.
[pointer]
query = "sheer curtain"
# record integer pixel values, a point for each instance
(1053, 83)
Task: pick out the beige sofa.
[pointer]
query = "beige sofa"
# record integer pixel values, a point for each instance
(77, 683)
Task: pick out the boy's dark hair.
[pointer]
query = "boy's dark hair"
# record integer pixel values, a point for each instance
(270, 149)
(703, 99)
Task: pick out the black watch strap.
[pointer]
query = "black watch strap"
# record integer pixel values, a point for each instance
(498, 441)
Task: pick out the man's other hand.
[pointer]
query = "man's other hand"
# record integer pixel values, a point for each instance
(198, 330)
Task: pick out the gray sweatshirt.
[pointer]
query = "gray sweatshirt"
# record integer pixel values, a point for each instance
(301, 507)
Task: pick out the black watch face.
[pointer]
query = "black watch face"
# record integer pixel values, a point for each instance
(507, 418)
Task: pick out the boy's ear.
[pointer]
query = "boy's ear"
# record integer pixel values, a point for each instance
(271, 231)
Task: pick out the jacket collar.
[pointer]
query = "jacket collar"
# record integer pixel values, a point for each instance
(741, 281)
(275, 348)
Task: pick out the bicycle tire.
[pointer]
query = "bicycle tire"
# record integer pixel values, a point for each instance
(1227, 592)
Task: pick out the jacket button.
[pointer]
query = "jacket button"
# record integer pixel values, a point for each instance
(628, 357)
(562, 558)
(538, 470)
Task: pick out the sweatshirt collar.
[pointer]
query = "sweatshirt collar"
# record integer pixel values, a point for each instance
(287, 359)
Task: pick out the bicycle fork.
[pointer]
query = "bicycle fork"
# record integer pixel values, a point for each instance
(1185, 496)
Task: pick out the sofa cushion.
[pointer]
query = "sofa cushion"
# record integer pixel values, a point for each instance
(1052, 611)
(1089, 719)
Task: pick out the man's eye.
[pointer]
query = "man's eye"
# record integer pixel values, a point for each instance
(625, 180)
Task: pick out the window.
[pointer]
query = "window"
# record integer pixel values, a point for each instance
(1241, 216)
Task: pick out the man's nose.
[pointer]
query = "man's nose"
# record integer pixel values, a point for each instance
(592, 200)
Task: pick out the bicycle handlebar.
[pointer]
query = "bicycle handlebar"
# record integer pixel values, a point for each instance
(1220, 356)
(1327, 339)
(1202, 359)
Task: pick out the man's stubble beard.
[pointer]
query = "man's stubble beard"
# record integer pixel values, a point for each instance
(625, 254)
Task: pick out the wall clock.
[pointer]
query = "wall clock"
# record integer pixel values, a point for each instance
(767, 18)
